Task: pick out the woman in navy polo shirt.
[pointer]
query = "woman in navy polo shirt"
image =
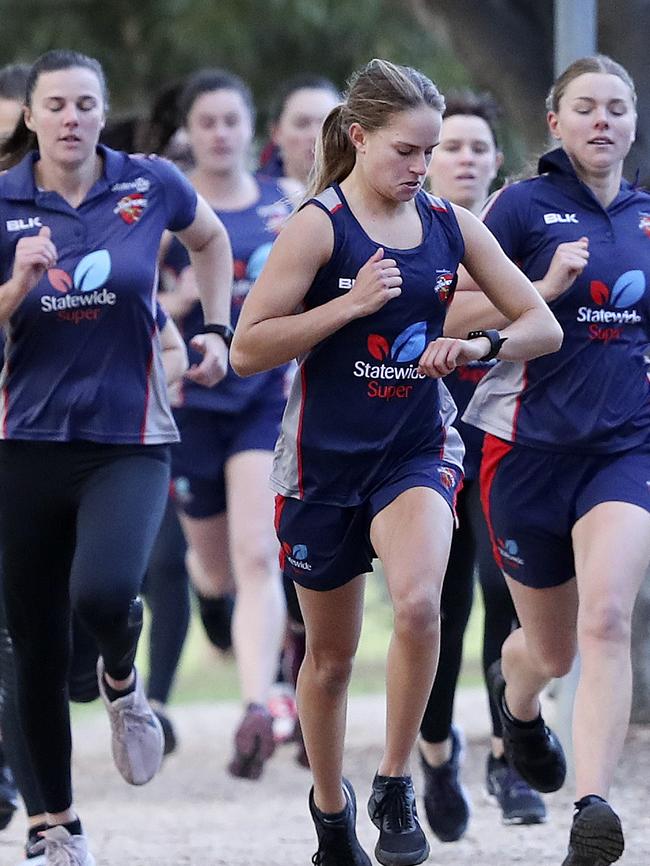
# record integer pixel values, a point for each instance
(566, 462)
(85, 421)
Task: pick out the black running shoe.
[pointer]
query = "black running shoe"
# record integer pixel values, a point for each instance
(337, 838)
(445, 801)
(519, 803)
(531, 748)
(392, 809)
(596, 835)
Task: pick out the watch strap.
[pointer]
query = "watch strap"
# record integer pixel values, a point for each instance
(224, 331)
(496, 342)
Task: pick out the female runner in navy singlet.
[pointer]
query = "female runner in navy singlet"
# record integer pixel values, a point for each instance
(86, 424)
(565, 475)
(221, 466)
(357, 287)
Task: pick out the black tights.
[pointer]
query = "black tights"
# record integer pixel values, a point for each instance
(470, 546)
(77, 525)
(166, 591)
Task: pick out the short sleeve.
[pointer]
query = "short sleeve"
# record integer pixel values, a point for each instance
(505, 216)
(180, 195)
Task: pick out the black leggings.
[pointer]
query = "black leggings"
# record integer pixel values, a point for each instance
(166, 590)
(77, 525)
(470, 546)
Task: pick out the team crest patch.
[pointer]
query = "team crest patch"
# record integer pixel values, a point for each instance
(444, 286)
(447, 477)
(644, 223)
(131, 207)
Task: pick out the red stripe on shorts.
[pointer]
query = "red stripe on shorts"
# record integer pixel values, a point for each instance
(494, 450)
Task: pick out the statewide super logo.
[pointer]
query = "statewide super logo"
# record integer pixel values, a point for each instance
(296, 555)
(131, 207)
(405, 348)
(612, 311)
(89, 278)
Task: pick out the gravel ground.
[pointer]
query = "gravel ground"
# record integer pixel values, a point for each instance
(194, 814)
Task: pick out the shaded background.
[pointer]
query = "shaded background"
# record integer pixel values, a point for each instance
(505, 46)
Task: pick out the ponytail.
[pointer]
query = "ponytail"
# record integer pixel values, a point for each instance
(335, 153)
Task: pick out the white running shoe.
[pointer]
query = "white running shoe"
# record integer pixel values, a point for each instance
(63, 849)
(137, 736)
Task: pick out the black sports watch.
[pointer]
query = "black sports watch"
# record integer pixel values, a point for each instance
(224, 331)
(495, 338)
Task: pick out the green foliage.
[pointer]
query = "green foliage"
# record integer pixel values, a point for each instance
(148, 44)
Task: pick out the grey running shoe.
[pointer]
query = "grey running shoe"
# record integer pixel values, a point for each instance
(137, 736)
(62, 849)
(254, 743)
(596, 835)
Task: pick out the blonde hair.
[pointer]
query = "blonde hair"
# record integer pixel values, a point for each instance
(374, 94)
(594, 63)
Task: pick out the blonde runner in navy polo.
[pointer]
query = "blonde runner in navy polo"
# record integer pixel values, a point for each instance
(84, 458)
(566, 462)
(363, 454)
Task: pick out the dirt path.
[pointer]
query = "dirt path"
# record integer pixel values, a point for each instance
(194, 814)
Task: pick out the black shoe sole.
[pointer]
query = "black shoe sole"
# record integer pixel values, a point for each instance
(390, 858)
(596, 837)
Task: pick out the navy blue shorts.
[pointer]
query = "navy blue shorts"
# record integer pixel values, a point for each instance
(326, 546)
(208, 440)
(533, 498)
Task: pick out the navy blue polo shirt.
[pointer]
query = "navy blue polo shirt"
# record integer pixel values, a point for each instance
(592, 396)
(82, 356)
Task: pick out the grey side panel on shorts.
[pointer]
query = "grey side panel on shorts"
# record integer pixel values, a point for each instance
(495, 402)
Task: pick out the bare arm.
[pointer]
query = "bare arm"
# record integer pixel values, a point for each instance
(471, 305)
(270, 330)
(533, 330)
(209, 249)
(174, 353)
